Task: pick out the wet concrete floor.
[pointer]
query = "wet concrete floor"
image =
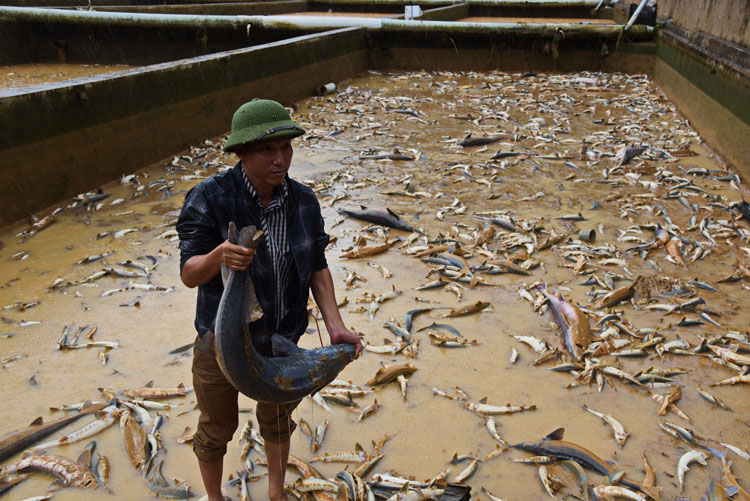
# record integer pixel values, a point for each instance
(566, 130)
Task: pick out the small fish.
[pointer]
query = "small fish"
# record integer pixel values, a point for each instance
(615, 491)
(626, 153)
(619, 430)
(468, 472)
(571, 217)
(492, 410)
(711, 398)
(470, 141)
(683, 464)
(466, 310)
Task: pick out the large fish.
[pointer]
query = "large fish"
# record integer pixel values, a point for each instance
(378, 216)
(573, 323)
(293, 373)
(553, 445)
(18, 440)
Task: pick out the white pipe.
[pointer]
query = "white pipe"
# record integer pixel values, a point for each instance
(635, 15)
(300, 22)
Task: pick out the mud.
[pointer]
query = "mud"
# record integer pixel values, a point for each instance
(547, 118)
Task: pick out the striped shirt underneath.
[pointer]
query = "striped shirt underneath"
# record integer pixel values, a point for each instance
(273, 224)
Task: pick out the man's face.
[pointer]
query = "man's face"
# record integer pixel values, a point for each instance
(267, 162)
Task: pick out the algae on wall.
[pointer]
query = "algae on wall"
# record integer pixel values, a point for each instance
(726, 19)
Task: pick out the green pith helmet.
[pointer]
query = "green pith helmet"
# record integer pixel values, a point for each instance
(261, 119)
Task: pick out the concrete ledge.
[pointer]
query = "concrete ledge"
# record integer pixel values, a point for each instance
(88, 132)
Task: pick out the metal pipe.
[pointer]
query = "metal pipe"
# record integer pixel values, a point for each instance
(635, 14)
(515, 29)
(307, 23)
(125, 19)
(498, 3)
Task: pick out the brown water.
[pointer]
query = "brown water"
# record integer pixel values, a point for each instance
(25, 75)
(539, 115)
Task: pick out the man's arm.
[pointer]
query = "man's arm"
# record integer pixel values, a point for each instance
(325, 297)
(200, 269)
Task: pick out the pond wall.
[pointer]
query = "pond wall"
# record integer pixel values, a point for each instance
(58, 140)
(703, 65)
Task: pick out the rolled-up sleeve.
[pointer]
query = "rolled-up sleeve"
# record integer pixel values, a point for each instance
(196, 226)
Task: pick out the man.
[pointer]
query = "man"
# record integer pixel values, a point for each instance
(288, 263)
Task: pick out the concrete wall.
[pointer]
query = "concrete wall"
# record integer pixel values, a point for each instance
(59, 140)
(65, 41)
(726, 19)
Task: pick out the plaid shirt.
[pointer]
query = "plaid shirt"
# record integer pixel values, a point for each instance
(273, 224)
(202, 226)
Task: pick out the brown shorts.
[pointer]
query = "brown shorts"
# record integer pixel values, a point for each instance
(217, 401)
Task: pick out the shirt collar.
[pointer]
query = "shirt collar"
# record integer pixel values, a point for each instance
(280, 194)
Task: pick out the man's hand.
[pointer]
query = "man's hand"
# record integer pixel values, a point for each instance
(235, 257)
(344, 335)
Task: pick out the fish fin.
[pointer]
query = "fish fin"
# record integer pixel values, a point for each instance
(483, 400)
(283, 347)
(246, 236)
(224, 274)
(363, 207)
(84, 459)
(232, 234)
(358, 447)
(37, 422)
(555, 435)
(181, 386)
(150, 384)
(56, 486)
(393, 214)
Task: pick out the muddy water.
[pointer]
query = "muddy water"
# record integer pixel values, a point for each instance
(546, 117)
(26, 75)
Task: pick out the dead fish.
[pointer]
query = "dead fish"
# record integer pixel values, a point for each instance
(18, 440)
(135, 440)
(466, 310)
(683, 464)
(378, 216)
(388, 374)
(711, 398)
(616, 296)
(367, 250)
(394, 155)
(504, 154)
(616, 491)
(571, 217)
(619, 430)
(573, 323)
(470, 140)
(37, 227)
(69, 473)
(493, 410)
(627, 153)
(149, 392)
